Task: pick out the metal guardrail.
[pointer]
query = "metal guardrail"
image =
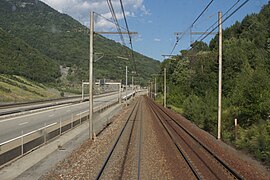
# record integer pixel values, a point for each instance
(29, 133)
(7, 105)
(39, 104)
(128, 95)
(17, 147)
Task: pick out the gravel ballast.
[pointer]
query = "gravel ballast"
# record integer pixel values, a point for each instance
(159, 157)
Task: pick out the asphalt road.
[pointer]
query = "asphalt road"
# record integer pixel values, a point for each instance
(13, 127)
(22, 108)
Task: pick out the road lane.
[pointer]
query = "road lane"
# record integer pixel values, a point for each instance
(38, 105)
(13, 127)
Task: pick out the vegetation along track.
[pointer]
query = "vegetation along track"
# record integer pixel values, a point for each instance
(203, 162)
(123, 160)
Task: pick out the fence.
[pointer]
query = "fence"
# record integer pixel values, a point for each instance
(15, 148)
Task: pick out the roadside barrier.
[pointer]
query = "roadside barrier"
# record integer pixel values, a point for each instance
(17, 147)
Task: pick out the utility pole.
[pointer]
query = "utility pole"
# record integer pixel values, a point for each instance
(120, 93)
(132, 86)
(126, 83)
(220, 74)
(155, 88)
(91, 129)
(82, 91)
(151, 89)
(165, 87)
(91, 57)
(132, 83)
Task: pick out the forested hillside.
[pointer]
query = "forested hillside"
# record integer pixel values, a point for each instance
(17, 57)
(65, 41)
(193, 84)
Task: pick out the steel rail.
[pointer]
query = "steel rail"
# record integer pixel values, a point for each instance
(186, 158)
(185, 142)
(129, 141)
(134, 110)
(225, 165)
(140, 147)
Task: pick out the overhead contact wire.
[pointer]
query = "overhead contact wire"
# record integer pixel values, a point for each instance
(237, 9)
(109, 2)
(176, 43)
(130, 40)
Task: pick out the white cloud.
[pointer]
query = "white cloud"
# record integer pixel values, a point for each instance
(157, 40)
(80, 9)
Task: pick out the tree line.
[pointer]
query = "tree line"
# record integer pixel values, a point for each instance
(193, 84)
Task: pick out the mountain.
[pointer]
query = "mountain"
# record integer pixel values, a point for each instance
(17, 57)
(66, 42)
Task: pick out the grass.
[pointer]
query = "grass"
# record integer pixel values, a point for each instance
(176, 109)
(159, 100)
(19, 89)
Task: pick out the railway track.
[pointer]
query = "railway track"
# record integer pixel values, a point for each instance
(204, 163)
(124, 158)
(148, 141)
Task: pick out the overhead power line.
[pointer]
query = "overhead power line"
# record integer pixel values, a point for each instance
(218, 20)
(202, 12)
(230, 15)
(124, 14)
(222, 17)
(109, 2)
(130, 40)
(177, 40)
(111, 21)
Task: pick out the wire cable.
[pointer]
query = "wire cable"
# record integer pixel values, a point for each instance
(110, 21)
(109, 2)
(218, 19)
(189, 28)
(202, 12)
(130, 40)
(230, 15)
(237, 9)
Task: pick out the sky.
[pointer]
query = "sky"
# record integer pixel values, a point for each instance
(156, 21)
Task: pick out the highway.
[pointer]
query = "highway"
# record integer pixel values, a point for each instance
(10, 109)
(13, 127)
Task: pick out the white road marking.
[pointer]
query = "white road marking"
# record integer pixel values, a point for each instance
(82, 113)
(68, 110)
(15, 118)
(51, 115)
(23, 123)
(10, 119)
